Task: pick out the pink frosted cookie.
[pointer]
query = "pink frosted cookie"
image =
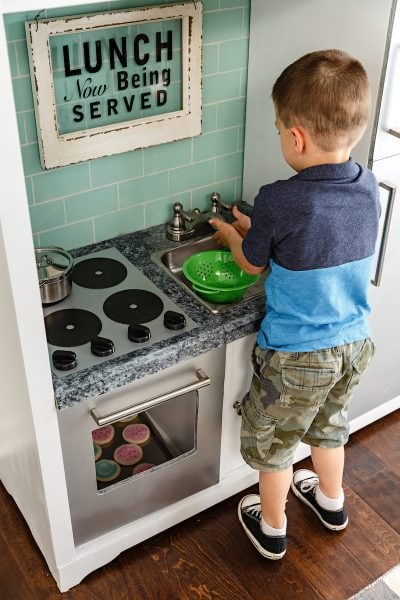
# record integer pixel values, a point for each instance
(128, 454)
(107, 470)
(142, 467)
(103, 435)
(138, 433)
(127, 421)
(97, 451)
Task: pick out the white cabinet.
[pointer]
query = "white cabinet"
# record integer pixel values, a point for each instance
(381, 382)
(280, 32)
(238, 373)
(387, 141)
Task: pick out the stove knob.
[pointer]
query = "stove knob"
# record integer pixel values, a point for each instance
(64, 360)
(138, 333)
(100, 346)
(174, 320)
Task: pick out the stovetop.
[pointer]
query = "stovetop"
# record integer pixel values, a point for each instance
(122, 311)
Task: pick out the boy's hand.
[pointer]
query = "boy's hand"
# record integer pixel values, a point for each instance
(225, 233)
(242, 223)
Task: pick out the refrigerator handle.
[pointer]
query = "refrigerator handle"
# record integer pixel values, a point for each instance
(391, 188)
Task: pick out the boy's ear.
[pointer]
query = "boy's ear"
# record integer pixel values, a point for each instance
(299, 139)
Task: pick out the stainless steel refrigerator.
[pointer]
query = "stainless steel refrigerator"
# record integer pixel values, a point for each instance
(280, 32)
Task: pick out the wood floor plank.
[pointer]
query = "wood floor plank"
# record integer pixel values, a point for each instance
(320, 555)
(371, 479)
(263, 578)
(369, 537)
(381, 438)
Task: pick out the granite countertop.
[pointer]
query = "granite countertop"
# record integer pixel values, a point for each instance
(214, 329)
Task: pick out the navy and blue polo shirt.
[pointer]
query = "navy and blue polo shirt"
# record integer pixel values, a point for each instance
(317, 230)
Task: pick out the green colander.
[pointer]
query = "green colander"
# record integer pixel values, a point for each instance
(218, 296)
(215, 271)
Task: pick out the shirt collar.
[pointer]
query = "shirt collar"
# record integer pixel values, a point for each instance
(346, 170)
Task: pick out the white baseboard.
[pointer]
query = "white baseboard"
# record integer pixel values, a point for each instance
(375, 414)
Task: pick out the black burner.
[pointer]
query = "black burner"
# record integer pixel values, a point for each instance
(98, 273)
(71, 327)
(133, 306)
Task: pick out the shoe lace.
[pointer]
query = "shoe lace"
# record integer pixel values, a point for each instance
(309, 484)
(254, 511)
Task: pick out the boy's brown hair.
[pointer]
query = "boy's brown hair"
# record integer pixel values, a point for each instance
(328, 93)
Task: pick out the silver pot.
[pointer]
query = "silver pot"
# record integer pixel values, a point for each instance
(54, 267)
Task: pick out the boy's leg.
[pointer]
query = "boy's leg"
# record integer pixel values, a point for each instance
(328, 464)
(274, 488)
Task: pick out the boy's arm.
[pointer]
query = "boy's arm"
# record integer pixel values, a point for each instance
(228, 236)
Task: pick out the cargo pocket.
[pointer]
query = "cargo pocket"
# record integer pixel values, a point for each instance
(257, 433)
(306, 386)
(360, 363)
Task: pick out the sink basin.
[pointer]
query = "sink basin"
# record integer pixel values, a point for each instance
(172, 259)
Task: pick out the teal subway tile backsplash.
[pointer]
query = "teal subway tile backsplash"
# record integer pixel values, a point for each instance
(98, 199)
(214, 144)
(143, 189)
(30, 126)
(119, 223)
(221, 86)
(30, 158)
(222, 25)
(226, 189)
(210, 5)
(21, 128)
(233, 3)
(191, 177)
(22, 93)
(115, 168)
(209, 118)
(69, 236)
(91, 204)
(12, 57)
(233, 54)
(231, 112)
(22, 58)
(162, 209)
(29, 190)
(61, 182)
(210, 58)
(227, 166)
(167, 156)
(47, 215)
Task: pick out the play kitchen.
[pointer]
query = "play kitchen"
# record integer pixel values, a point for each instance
(163, 431)
(121, 376)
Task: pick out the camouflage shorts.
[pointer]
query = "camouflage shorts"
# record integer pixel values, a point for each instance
(300, 396)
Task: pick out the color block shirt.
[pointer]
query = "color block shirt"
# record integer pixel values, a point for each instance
(318, 232)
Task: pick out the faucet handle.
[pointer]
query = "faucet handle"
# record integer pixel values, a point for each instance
(217, 203)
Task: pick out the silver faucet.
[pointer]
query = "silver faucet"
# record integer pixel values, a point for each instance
(186, 225)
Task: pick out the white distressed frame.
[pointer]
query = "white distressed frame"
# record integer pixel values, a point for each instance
(58, 150)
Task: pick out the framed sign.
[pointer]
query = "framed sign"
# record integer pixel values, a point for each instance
(113, 82)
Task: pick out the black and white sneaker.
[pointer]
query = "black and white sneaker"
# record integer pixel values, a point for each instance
(304, 484)
(249, 512)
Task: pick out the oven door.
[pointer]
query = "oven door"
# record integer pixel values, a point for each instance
(132, 471)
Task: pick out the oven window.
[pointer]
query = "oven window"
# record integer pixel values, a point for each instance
(139, 445)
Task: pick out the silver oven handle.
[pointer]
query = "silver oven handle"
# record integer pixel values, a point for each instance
(202, 380)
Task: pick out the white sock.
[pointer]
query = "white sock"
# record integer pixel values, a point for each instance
(329, 503)
(271, 531)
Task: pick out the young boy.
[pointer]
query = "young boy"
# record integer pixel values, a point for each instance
(316, 231)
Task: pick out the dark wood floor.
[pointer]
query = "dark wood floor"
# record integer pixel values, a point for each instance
(208, 556)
